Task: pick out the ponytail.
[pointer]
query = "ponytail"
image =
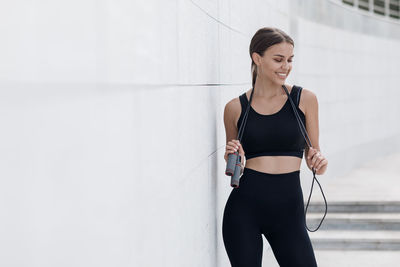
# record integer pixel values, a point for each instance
(254, 73)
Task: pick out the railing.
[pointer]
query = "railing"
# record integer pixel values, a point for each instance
(382, 8)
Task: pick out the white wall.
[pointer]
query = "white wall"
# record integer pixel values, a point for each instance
(110, 112)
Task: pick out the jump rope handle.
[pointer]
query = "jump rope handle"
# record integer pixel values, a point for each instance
(234, 159)
(305, 135)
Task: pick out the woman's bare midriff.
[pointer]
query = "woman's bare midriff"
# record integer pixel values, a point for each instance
(274, 164)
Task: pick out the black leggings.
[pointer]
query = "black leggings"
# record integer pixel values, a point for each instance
(272, 205)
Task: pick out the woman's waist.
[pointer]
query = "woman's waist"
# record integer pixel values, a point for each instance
(274, 164)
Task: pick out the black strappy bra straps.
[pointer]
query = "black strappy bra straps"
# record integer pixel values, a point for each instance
(298, 94)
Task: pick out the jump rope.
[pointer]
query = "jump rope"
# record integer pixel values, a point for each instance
(233, 164)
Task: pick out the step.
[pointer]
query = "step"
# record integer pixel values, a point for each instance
(357, 258)
(355, 240)
(355, 221)
(354, 206)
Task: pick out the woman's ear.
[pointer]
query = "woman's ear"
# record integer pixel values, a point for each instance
(256, 58)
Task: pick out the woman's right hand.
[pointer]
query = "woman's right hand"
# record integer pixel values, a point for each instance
(233, 146)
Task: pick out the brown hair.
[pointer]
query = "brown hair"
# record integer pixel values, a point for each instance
(262, 39)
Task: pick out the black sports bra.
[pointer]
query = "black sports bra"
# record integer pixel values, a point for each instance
(276, 134)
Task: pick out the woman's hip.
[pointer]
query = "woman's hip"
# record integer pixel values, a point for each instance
(268, 185)
(271, 199)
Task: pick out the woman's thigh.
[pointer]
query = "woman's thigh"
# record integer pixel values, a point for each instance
(241, 232)
(292, 247)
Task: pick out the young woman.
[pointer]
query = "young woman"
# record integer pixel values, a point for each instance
(269, 199)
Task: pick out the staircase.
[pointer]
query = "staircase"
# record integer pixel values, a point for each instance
(355, 225)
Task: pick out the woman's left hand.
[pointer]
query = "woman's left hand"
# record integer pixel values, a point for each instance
(317, 161)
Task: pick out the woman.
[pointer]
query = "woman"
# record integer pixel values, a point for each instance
(269, 199)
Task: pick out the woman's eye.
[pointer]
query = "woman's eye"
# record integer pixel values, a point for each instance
(281, 60)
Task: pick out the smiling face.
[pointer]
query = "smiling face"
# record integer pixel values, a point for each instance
(276, 63)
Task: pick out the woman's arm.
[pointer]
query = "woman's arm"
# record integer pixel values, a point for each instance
(312, 157)
(231, 111)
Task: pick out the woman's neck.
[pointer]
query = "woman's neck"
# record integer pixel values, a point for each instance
(267, 89)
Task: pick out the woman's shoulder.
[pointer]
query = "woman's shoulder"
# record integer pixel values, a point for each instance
(233, 109)
(308, 95)
(308, 100)
(233, 106)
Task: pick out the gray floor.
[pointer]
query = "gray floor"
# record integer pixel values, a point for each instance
(345, 258)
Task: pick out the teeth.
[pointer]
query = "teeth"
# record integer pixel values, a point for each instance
(282, 74)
